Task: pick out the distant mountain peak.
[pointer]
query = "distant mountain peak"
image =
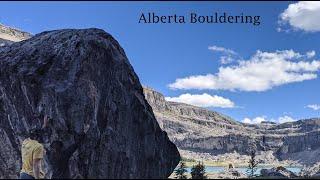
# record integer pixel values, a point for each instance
(9, 35)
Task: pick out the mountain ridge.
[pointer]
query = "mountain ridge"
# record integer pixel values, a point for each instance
(9, 35)
(208, 135)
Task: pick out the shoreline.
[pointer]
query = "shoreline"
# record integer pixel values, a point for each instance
(189, 164)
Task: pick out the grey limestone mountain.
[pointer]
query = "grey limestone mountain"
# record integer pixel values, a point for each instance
(207, 135)
(81, 78)
(8, 35)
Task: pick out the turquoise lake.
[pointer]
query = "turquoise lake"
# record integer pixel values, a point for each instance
(216, 169)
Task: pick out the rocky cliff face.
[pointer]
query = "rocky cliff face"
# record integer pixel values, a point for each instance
(81, 78)
(203, 134)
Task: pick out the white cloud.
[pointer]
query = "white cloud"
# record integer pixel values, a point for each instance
(315, 107)
(247, 120)
(263, 71)
(303, 15)
(311, 54)
(259, 119)
(221, 49)
(226, 59)
(285, 119)
(228, 55)
(256, 120)
(203, 100)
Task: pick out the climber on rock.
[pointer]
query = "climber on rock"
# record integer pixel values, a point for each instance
(57, 156)
(32, 152)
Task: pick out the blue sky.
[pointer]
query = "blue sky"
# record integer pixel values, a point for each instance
(163, 53)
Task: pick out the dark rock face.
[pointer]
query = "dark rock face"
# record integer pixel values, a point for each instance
(81, 78)
(4, 42)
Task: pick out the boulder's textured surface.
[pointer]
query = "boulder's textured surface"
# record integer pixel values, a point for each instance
(4, 42)
(277, 172)
(81, 78)
(207, 135)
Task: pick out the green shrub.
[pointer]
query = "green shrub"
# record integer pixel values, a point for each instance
(180, 173)
(198, 171)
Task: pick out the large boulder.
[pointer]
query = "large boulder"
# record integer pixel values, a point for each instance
(277, 172)
(81, 78)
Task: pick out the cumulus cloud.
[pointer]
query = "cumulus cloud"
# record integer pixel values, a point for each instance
(203, 100)
(263, 71)
(303, 15)
(247, 120)
(226, 59)
(315, 107)
(260, 119)
(256, 120)
(285, 119)
(311, 54)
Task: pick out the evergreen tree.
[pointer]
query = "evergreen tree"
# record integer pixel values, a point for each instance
(252, 165)
(180, 172)
(198, 171)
